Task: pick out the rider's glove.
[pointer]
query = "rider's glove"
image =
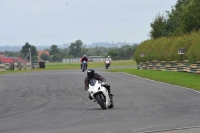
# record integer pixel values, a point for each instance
(103, 83)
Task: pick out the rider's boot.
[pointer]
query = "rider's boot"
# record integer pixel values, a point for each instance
(109, 91)
(90, 97)
(111, 96)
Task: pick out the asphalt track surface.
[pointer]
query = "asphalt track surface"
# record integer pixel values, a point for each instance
(56, 102)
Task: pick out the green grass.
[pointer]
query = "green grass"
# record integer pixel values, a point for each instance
(184, 79)
(57, 66)
(63, 66)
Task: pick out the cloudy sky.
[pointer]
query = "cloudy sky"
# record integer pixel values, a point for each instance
(47, 22)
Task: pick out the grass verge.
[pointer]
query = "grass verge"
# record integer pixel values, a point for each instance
(184, 79)
(76, 65)
(57, 66)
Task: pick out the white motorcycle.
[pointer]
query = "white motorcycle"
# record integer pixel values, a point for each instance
(107, 64)
(100, 94)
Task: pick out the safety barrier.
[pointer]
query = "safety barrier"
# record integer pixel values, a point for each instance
(15, 66)
(182, 66)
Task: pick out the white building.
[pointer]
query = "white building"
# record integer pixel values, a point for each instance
(90, 58)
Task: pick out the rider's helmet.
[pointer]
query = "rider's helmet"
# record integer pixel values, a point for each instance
(90, 73)
(108, 56)
(84, 55)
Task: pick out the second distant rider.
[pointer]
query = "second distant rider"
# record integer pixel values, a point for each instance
(84, 58)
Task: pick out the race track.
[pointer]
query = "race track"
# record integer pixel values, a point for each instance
(56, 102)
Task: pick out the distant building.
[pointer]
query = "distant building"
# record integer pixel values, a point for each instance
(90, 58)
(96, 58)
(6, 60)
(42, 52)
(2, 54)
(12, 60)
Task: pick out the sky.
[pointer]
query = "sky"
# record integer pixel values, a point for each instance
(48, 22)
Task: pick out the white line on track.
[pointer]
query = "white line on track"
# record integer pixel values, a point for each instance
(160, 82)
(79, 97)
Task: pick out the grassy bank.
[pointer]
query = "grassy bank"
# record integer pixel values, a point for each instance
(76, 65)
(184, 79)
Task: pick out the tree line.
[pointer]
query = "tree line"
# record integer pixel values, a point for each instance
(75, 50)
(178, 30)
(183, 18)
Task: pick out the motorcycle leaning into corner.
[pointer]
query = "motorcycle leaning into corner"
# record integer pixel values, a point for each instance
(84, 66)
(100, 94)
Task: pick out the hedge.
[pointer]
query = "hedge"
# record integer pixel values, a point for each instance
(166, 49)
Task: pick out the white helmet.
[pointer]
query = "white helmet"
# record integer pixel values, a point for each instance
(84, 55)
(108, 56)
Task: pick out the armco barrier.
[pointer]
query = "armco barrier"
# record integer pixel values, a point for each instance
(15, 66)
(182, 66)
(2, 67)
(26, 66)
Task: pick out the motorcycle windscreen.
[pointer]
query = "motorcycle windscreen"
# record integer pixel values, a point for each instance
(92, 82)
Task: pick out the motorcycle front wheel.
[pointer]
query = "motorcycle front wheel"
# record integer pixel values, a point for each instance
(106, 66)
(101, 100)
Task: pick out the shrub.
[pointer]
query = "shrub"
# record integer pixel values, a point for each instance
(166, 49)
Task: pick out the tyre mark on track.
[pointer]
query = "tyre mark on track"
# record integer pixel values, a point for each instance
(21, 112)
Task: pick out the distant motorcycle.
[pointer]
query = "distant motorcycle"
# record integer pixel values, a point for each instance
(84, 66)
(100, 94)
(107, 64)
